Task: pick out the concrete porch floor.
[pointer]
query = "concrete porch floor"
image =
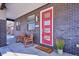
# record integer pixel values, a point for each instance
(18, 49)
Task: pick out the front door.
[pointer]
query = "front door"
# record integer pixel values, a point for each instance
(46, 26)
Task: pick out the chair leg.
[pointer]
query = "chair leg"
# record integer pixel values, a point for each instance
(25, 44)
(32, 42)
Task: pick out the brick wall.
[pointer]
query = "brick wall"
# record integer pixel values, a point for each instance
(66, 25)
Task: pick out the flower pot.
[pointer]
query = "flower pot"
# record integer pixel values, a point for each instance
(60, 51)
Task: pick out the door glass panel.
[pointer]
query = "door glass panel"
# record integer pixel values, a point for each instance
(47, 37)
(47, 30)
(47, 22)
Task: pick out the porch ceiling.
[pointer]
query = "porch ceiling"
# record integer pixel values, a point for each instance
(15, 10)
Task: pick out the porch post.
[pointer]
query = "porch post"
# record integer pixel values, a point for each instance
(2, 28)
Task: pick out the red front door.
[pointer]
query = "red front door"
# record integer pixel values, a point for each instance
(46, 26)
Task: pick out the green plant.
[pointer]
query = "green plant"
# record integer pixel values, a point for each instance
(60, 44)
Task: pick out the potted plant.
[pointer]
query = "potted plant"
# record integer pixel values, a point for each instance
(60, 46)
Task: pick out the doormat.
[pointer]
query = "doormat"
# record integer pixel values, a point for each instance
(45, 49)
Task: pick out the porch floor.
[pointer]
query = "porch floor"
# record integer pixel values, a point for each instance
(18, 49)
